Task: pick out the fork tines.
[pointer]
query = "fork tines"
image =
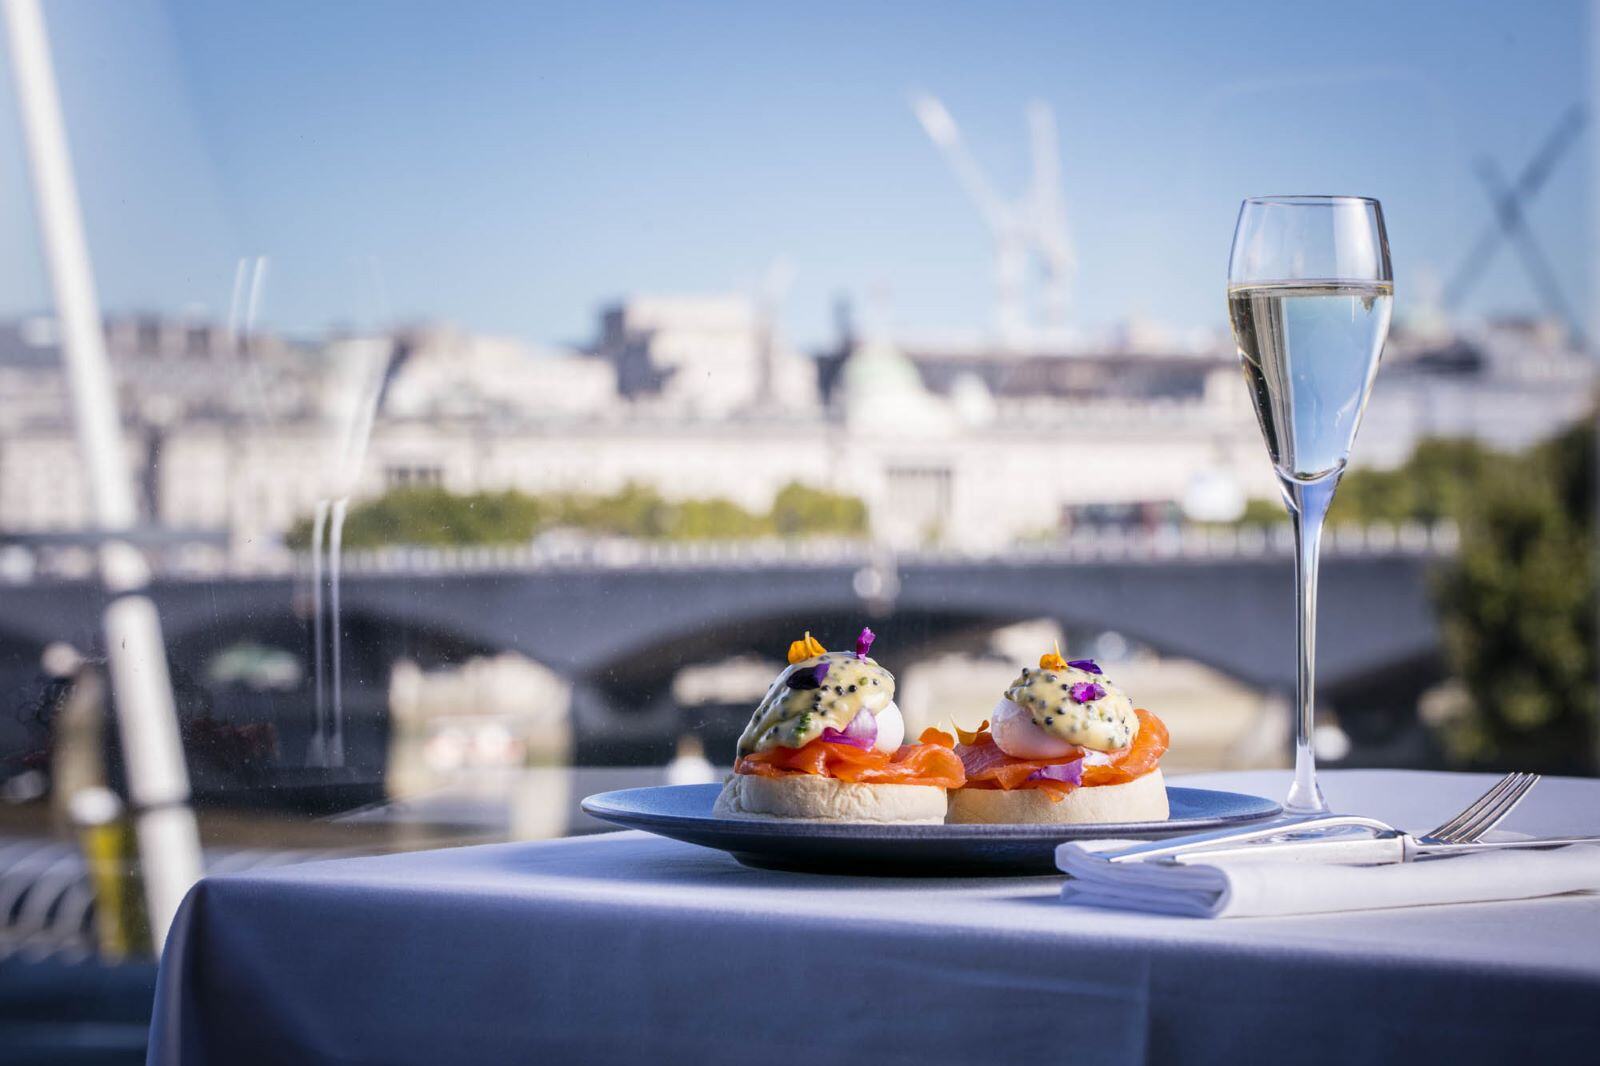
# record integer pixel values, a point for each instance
(1487, 811)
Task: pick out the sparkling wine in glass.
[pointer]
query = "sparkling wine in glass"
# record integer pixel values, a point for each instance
(1309, 295)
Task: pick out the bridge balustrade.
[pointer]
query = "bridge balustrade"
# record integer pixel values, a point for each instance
(24, 566)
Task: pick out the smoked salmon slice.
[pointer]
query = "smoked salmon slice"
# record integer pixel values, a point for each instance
(1137, 759)
(989, 767)
(912, 764)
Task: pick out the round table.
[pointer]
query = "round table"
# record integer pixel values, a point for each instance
(627, 948)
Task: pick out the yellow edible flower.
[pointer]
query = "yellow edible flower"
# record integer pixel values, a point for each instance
(809, 648)
(1052, 660)
(972, 737)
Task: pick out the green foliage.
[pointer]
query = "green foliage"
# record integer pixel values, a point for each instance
(716, 519)
(1518, 604)
(1260, 512)
(1518, 609)
(634, 510)
(434, 517)
(1432, 486)
(1437, 483)
(800, 509)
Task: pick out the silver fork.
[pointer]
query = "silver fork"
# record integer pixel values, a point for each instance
(1482, 815)
(1488, 811)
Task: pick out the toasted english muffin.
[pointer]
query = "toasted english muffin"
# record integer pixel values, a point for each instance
(808, 797)
(1144, 799)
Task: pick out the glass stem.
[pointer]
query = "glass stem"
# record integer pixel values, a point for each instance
(1308, 504)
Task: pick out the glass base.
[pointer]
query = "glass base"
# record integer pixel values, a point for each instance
(1305, 798)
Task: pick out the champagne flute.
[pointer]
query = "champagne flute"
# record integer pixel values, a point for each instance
(1309, 295)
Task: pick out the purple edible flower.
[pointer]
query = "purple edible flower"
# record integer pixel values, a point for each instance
(810, 677)
(864, 642)
(1067, 773)
(1087, 665)
(1085, 691)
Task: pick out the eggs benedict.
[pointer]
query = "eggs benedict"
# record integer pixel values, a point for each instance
(826, 743)
(1063, 744)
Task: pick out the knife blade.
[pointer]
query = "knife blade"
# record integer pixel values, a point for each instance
(1342, 850)
(1435, 851)
(1357, 850)
(1277, 827)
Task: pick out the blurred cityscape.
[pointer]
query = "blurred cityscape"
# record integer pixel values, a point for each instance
(237, 438)
(418, 583)
(1111, 471)
(421, 583)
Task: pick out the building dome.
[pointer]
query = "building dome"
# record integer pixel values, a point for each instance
(884, 390)
(972, 400)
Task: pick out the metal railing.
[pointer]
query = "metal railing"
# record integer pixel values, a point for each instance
(47, 901)
(1106, 544)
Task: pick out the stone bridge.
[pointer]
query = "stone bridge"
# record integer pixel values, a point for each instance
(619, 619)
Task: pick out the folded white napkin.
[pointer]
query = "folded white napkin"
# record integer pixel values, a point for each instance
(1255, 888)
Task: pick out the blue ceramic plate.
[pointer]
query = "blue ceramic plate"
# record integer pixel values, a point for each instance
(683, 812)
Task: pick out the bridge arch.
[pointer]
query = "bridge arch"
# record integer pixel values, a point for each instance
(619, 633)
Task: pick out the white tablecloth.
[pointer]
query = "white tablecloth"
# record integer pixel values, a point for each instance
(627, 948)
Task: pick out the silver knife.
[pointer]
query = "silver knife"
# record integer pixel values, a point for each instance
(1284, 826)
(1363, 850)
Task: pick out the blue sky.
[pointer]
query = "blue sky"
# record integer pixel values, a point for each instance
(512, 166)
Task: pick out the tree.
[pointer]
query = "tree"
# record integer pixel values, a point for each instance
(1517, 604)
(435, 517)
(1259, 512)
(716, 519)
(1518, 609)
(632, 511)
(1433, 485)
(800, 509)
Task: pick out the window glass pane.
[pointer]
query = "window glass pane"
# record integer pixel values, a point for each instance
(499, 389)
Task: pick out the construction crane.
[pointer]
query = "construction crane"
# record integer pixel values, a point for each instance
(1509, 202)
(1034, 225)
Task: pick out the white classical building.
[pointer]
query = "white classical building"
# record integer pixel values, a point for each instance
(703, 357)
(439, 372)
(961, 447)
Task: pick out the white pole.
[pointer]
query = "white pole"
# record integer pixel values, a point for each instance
(158, 781)
(1594, 332)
